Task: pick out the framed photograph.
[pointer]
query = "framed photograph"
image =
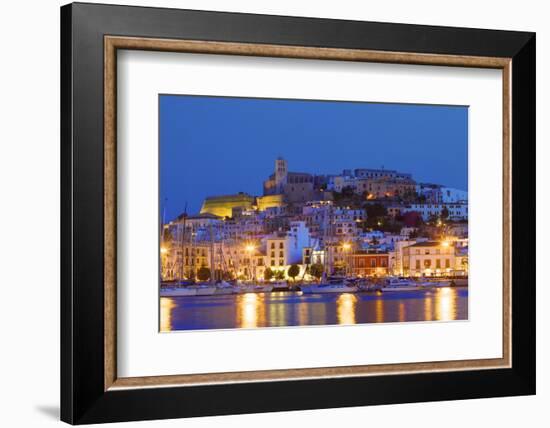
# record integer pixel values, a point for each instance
(265, 213)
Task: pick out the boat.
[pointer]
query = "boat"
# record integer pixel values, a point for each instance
(280, 286)
(203, 289)
(341, 287)
(399, 284)
(174, 291)
(365, 285)
(262, 288)
(224, 288)
(434, 283)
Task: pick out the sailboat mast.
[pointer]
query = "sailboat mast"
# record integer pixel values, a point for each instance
(183, 242)
(212, 259)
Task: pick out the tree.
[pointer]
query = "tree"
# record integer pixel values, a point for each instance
(376, 211)
(347, 191)
(412, 219)
(280, 275)
(293, 271)
(268, 274)
(316, 270)
(203, 274)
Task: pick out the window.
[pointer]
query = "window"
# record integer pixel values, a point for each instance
(273, 245)
(447, 263)
(427, 251)
(281, 245)
(281, 254)
(273, 254)
(281, 262)
(373, 263)
(272, 262)
(427, 263)
(438, 264)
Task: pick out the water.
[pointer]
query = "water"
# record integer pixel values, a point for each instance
(285, 309)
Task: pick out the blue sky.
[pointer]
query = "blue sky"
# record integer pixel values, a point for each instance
(222, 145)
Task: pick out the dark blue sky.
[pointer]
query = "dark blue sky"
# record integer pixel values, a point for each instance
(220, 145)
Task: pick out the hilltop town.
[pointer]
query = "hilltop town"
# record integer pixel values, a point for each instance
(360, 223)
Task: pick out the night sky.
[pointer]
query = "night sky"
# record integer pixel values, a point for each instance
(220, 145)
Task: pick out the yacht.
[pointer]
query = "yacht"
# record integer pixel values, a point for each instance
(262, 288)
(203, 289)
(224, 287)
(341, 287)
(399, 284)
(435, 283)
(174, 291)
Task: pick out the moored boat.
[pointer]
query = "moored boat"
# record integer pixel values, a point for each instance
(435, 283)
(280, 286)
(174, 291)
(329, 288)
(399, 284)
(262, 288)
(203, 290)
(224, 288)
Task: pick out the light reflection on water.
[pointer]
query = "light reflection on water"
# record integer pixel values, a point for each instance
(284, 309)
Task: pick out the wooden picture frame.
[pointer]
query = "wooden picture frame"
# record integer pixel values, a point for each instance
(91, 390)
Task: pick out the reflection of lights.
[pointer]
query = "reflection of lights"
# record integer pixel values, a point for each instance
(166, 306)
(379, 310)
(401, 312)
(163, 250)
(445, 304)
(250, 317)
(427, 308)
(346, 246)
(345, 308)
(250, 310)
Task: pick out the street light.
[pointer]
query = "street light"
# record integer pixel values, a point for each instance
(249, 248)
(346, 246)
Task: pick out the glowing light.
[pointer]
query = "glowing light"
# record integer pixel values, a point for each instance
(166, 307)
(445, 243)
(345, 308)
(445, 304)
(250, 311)
(163, 250)
(346, 246)
(250, 248)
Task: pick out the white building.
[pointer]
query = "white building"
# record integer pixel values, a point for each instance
(433, 258)
(456, 211)
(450, 195)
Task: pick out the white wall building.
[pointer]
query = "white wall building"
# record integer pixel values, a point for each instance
(456, 211)
(450, 195)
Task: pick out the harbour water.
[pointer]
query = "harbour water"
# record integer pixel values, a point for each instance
(286, 309)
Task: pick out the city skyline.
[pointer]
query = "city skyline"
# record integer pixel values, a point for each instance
(203, 139)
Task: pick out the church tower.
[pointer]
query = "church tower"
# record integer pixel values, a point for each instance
(281, 174)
